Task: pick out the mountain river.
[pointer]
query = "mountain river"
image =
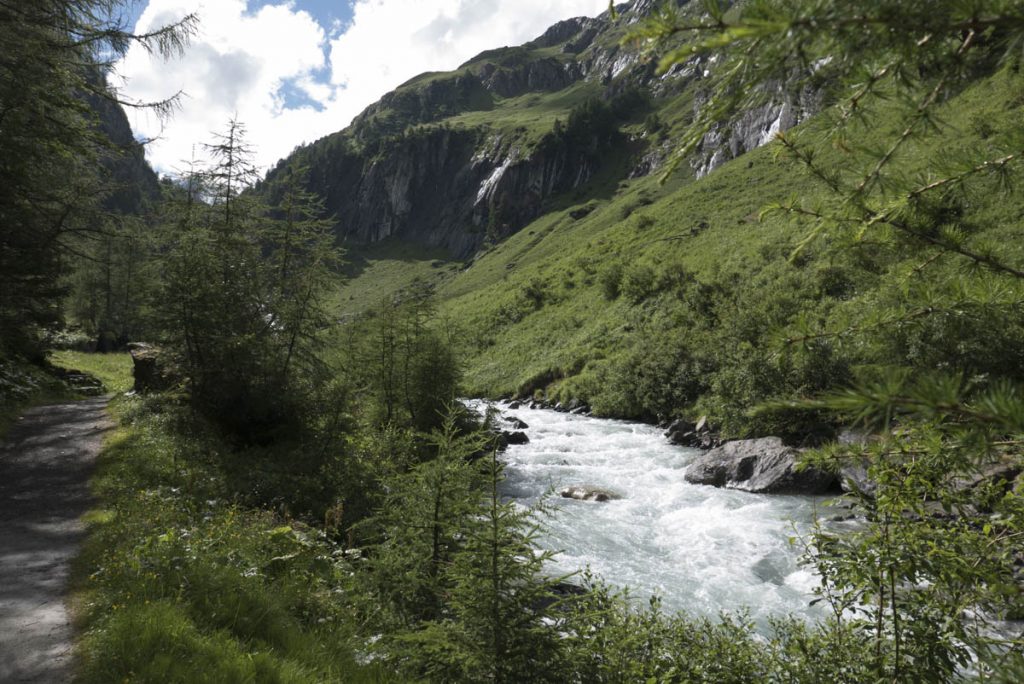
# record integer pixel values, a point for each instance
(701, 549)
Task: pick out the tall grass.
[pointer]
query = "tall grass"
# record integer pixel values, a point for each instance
(177, 583)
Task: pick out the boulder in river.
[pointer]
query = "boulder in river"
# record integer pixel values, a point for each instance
(517, 437)
(677, 429)
(517, 423)
(853, 477)
(761, 466)
(697, 435)
(584, 492)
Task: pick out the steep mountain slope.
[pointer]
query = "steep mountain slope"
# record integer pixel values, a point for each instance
(523, 189)
(132, 180)
(679, 299)
(460, 159)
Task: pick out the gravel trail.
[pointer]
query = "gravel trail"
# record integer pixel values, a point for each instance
(44, 472)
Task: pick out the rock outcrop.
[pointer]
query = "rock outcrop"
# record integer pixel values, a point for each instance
(762, 466)
(414, 167)
(149, 368)
(584, 492)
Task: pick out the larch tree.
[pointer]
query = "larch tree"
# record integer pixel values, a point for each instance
(55, 54)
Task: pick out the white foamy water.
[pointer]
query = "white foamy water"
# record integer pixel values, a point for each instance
(702, 549)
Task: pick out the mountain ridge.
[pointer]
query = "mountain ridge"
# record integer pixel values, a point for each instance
(510, 131)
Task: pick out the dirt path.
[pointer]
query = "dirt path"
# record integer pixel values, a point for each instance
(44, 470)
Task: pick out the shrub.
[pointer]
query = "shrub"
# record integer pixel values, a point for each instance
(610, 280)
(638, 283)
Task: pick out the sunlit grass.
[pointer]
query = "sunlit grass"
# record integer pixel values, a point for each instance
(113, 370)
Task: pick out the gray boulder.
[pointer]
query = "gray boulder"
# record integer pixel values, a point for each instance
(517, 437)
(761, 466)
(679, 431)
(853, 477)
(584, 492)
(697, 435)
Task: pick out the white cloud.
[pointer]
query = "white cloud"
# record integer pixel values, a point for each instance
(240, 62)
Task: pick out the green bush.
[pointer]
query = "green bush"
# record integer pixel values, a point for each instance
(655, 381)
(610, 279)
(638, 283)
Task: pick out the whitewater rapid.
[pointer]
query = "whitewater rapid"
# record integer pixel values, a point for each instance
(701, 549)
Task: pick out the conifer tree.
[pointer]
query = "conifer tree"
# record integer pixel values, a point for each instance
(244, 290)
(421, 525)
(500, 625)
(55, 52)
(407, 361)
(457, 577)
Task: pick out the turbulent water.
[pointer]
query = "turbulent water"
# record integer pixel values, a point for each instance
(702, 549)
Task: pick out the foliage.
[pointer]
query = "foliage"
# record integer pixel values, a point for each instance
(498, 628)
(403, 358)
(938, 538)
(637, 282)
(610, 279)
(180, 584)
(418, 529)
(112, 291)
(455, 578)
(244, 290)
(56, 54)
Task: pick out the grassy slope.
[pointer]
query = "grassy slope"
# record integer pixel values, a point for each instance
(378, 271)
(643, 223)
(113, 370)
(533, 306)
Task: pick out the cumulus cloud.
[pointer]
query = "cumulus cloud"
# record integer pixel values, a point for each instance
(291, 80)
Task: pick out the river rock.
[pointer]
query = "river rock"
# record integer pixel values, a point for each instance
(761, 466)
(999, 474)
(853, 477)
(678, 429)
(584, 492)
(514, 405)
(697, 435)
(516, 437)
(517, 423)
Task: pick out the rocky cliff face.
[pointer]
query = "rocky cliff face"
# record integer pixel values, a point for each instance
(133, 183)
(411, 167)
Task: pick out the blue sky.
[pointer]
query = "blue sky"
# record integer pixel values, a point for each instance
(294, 71)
